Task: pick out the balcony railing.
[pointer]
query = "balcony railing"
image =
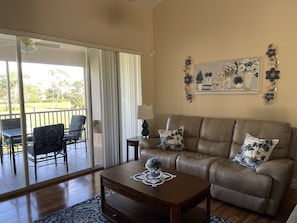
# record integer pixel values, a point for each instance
(37, 119)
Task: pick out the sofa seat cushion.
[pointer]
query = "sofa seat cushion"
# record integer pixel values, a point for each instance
(236, 177)
(167, 157)
(195, 163)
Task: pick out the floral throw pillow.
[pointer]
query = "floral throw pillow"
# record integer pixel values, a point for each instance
(173, 139)
(255, 151)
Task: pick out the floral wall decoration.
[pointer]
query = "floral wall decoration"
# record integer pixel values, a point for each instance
(230, 76)
(272, 74)
(188, 79)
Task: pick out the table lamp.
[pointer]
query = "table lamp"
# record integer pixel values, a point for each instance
(145, 112)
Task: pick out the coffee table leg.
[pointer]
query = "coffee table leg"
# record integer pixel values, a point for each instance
(102, 194)
(175, 215)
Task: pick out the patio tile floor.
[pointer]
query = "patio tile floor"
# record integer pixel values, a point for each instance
(78, 159)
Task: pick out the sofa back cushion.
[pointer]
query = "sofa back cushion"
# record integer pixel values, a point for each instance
(216, 136)
(264, 130)
(192, 129)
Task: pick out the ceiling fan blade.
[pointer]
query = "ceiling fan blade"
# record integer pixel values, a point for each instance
(52, 45)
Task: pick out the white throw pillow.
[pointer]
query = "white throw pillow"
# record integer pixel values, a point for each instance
(173, 139)
(255, 151)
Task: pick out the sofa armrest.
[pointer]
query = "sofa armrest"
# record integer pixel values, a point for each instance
(281, 171)
(278, 169)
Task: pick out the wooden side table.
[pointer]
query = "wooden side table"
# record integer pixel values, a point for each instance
(134, 141)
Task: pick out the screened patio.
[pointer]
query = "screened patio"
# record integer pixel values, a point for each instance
(79, 156)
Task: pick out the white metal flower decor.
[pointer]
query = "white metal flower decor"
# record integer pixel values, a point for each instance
(188, 78)
(272, 74)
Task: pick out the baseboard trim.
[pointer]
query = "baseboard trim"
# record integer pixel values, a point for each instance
(294, 184)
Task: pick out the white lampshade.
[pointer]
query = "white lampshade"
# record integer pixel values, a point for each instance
(145, 112)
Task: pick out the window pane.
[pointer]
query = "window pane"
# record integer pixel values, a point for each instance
(54, 92)
(12, 169)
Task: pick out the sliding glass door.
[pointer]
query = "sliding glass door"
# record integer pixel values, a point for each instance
(12, 169)
(42, 83)
(54, 92)
(46, 83)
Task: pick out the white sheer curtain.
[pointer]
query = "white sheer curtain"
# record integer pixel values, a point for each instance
(110, 111)
(120, 77)
(130, 97)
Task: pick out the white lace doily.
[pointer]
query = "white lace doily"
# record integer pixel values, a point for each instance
(147, 179)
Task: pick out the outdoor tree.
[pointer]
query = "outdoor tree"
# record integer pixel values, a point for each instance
(76, 94)
(57, 86)
(3, 88)
(59, 80)
(65, 86)
(13, 86)
(33, 93)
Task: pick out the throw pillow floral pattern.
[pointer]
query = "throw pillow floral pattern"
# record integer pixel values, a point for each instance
(255, 151)
(173, 139)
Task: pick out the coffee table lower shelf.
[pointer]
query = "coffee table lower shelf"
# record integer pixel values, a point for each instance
(120, 209)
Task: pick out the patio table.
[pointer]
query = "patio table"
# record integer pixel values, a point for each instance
(11, 134)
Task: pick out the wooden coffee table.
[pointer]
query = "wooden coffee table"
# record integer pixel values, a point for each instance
(174, 201)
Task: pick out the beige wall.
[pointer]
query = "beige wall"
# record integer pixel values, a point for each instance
(212, 30)
(207, 30)
(115, 23)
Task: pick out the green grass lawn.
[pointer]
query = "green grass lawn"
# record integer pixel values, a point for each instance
(41, 106)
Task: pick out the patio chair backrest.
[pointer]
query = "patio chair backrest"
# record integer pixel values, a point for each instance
(76, 126)
(14, 123)
(47, 139)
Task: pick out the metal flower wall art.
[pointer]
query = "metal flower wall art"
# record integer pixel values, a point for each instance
(188, 79)
(272, 75)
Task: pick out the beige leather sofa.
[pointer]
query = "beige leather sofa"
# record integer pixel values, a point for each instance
(210, 146)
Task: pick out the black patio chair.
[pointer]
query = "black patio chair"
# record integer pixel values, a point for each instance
(76, 130)
(48, 144)
(14, 123)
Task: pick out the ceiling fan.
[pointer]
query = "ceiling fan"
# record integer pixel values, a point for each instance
(30, 45)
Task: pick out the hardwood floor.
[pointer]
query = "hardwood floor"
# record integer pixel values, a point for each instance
(34, 205)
